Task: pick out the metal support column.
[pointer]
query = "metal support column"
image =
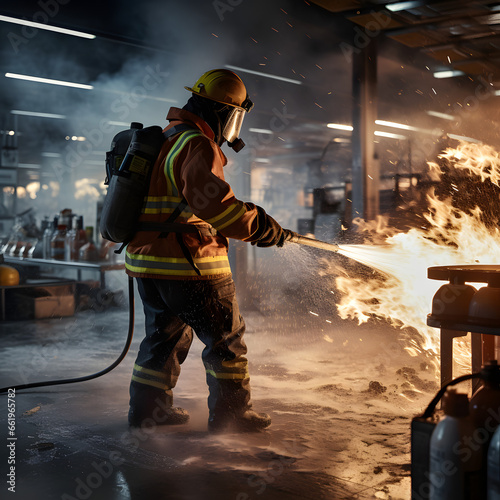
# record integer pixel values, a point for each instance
(365, 166)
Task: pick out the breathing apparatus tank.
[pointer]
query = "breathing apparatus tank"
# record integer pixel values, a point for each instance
(128, 179)
(119, 147)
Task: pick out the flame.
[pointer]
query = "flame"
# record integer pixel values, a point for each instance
(399, 291)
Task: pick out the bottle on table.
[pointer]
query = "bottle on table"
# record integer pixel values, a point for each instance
(75, 239)
(88, 252)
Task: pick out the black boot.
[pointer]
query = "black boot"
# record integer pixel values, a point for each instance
(247, 421)
(158, 416)
(151, 407)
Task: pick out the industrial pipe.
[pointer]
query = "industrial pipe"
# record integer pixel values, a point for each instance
(311, 242)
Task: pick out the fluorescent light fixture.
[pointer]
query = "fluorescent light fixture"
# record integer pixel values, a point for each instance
(267, 75)
(263, 160)
(35, 113)
(342, 140)
(42, 26)
(48, 80)
(450, 73)
(398, 6)
(395, 125)
(437, 114)
(28, 165)
(463, 138)
(261, 131)
(154, 98)
(389, 135)
(47, 154)
(119, 124)
(339, 126)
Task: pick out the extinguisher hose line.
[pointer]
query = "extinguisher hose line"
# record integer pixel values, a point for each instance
(97, 374)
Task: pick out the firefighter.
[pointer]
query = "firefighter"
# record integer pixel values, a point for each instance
(183, 272)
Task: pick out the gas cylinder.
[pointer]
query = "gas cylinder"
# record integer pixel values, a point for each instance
(494, 467)
(455, 459)
(485, 402)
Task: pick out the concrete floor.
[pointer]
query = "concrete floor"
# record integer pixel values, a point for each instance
(341, 398)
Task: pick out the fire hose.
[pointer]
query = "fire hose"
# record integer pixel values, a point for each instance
(311, 242)
(295, 238)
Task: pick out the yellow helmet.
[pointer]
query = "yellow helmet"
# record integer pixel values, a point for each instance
(9, 276)
(224, 86)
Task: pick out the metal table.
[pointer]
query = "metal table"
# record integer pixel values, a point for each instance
(482, 335)
(101, 267)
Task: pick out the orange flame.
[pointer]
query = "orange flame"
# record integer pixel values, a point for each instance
(402, 294)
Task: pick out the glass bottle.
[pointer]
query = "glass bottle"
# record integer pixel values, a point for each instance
(88, 252)
(58, 243)
(47, 237)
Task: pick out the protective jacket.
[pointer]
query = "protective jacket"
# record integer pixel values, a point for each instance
(190, 167)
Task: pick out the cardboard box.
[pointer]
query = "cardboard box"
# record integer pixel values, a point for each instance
(41, 302)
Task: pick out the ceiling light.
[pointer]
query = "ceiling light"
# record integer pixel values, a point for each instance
(395, 125)
(389, 135)
(267, 75)
(444, 116)
(47, 154)
(398, 6)
(450, 73)
(35, 113)
(263, 160)
(48, 80)
(260, 131)
(339, 126)
(42, 26)
(463, 138)
(119, 124)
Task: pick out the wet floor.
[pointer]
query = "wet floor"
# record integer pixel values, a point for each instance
(341, 398)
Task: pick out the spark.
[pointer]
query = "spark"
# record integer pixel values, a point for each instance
(284, 11)
(216, 36)
(274, 29)
(327, 338)
(318, 66)
(313, 313)
(318, 105)
(253, 39)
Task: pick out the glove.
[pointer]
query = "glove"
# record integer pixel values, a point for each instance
(287, 235)
(270, 232)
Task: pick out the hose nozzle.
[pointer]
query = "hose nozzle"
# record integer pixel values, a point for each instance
(311, 242)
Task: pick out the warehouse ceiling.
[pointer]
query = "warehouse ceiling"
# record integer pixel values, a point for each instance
(294, 56)
(462, 35)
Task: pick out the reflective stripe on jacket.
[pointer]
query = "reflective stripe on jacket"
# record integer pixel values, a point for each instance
(190, 166)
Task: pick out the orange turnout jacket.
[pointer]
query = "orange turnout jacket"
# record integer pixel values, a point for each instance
(190, 166)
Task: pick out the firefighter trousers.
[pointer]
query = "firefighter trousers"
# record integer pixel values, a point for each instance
(173, 309)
